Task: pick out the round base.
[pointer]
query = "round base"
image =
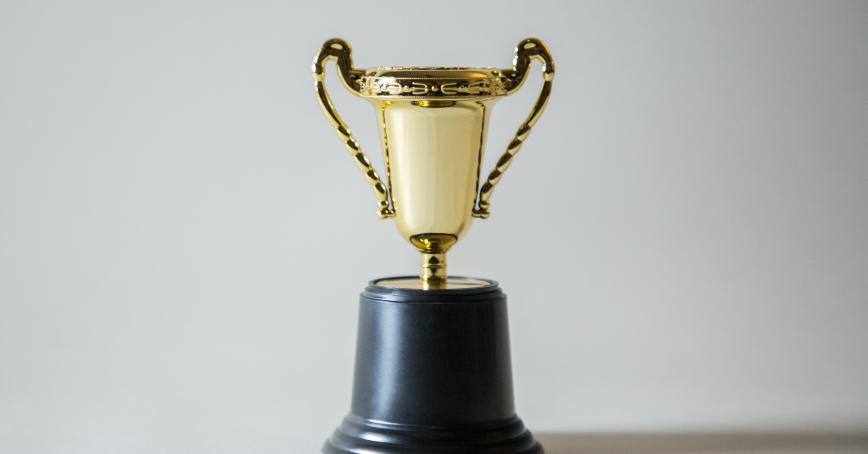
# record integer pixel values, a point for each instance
(433, 373)
(357, 435)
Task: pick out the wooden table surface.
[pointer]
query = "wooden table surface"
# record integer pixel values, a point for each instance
(705, 443)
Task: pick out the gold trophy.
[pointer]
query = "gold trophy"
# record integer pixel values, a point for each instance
(432, 361)
(432, 123)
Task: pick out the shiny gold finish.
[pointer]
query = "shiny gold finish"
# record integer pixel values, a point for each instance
(527, 50)
(433, 127)
(418, 284)
(339, 50)
(433, 156)
(433, 270)
(434, 83)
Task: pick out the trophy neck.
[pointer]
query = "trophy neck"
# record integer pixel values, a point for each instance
(433, 247)
(433, 275)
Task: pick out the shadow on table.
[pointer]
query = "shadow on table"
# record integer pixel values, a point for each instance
(704, 443)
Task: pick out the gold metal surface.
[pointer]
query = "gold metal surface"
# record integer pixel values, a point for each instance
(433, 122)
(433, 270)
(339, 51)
(418, 284)
(527, 50)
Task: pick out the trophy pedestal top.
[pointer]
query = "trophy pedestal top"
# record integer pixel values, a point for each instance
(451, 283)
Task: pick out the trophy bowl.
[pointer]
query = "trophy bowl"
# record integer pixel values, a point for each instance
(432, 123)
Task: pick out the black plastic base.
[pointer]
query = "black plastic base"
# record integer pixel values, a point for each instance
(433, 375)
(360, 436)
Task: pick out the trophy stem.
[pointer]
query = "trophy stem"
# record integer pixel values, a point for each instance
(433, 270)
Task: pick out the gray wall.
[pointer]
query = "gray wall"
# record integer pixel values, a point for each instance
(684, 239)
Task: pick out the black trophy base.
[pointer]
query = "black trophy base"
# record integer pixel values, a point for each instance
(432, 375)
(356, 435)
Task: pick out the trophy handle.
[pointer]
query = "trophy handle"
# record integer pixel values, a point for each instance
(527, 50)
(339, 50)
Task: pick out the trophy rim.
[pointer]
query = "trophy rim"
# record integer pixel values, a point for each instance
(434, 82)
(454, 71)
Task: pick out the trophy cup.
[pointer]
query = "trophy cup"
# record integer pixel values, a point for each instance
(432, 372)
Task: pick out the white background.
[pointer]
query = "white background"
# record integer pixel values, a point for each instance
(684, 237)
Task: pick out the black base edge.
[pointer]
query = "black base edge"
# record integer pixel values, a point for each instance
(361, 436)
